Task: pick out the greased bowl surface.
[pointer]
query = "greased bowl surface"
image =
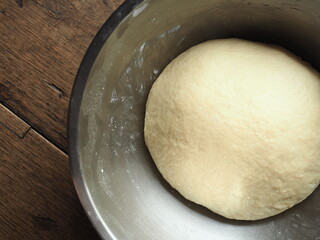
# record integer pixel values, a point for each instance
(117, 182)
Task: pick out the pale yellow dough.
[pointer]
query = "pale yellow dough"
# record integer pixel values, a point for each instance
(235, 126)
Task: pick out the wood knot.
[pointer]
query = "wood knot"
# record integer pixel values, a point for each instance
(44, 223)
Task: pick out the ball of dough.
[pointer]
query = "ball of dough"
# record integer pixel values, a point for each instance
(234, 125)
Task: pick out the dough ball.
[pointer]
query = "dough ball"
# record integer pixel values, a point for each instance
(234, 125)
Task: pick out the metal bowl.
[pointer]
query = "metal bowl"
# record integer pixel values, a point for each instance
(115, 177)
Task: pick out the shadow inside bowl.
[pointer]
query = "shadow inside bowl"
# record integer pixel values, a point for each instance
(303, 206)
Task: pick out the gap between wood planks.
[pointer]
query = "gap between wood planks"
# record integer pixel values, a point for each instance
(19, 126)
(38, 199)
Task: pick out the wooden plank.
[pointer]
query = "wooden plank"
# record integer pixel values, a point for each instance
(41, 45)
(12, 122)
(37, 197)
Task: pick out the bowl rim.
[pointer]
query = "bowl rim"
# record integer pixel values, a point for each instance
(74, 113)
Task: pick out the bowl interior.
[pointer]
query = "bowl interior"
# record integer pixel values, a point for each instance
(130, 198)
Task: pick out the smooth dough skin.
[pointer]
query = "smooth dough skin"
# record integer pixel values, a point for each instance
(234, 125)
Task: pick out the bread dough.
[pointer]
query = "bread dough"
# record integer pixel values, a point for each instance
(234, 125)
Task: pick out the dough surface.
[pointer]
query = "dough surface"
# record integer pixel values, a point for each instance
(234, 125)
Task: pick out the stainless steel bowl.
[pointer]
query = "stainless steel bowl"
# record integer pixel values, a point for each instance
(115, 177)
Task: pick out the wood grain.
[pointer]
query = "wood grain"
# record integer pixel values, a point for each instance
(37, 197)
(42, 43)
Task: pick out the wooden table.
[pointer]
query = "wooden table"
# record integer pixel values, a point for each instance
(42, 43)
